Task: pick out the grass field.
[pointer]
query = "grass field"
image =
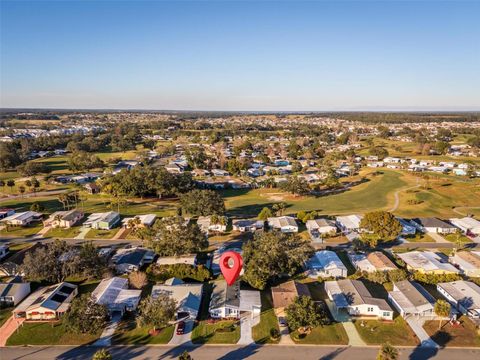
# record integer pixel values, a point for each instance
(5, 314)
(23, 230)
(448, 335)
(327, 334)
(222, 332)
(101, 234)
(48, 334)
(396, 332)
(268, 321)
(128, 333)
(64, 233)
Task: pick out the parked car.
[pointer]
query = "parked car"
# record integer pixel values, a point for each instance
(282, 322)
(181, 328)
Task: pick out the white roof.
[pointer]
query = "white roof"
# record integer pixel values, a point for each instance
(114, 291)
(325, 259)
(350, 221)
(282, 221)
(319, 223)
(170, 260)
(466, 293)
(250, 299)
(187, 296)
(21, 216)
(466, 223)
(426, 260)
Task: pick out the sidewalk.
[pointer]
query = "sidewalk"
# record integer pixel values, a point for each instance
(107, 334)
(8, 328)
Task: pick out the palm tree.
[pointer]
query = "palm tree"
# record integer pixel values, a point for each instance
(442, 309)
(387, 352)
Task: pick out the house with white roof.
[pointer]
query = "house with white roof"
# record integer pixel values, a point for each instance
(285, 224)
(103, 221)
(468, 225)
(247, 225)
(427, 262)
(353, 297)
(463, 295)
(115, 295)
(47, 303)
(321, 226)
(371, 262)
(468, 262)
(173, 260)
(64, 219)
(229, 301)
(13, 292)
(22, 218)
(325, 263)
(187, 296)
(433, 225)
(349, 223)
(146, 220)
(411, 299)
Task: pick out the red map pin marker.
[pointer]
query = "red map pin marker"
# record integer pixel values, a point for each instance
(231, 264)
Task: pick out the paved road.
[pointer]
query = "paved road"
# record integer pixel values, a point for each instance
(397, 199)
(37, 194)
(233, 352)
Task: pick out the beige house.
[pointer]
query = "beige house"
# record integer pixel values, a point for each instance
(63, 219)
(284, 294)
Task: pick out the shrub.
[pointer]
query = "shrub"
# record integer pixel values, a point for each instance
(182, 271)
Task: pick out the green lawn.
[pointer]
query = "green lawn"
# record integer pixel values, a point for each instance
(464, 335)
(5, 314)
(23, 230)
(268, 321)
(48, 334)
(128, 333)
(455, 238)
(328, 334)
(101, 234)
(222, 332)
(419, 237)
(396, 332)
(372, 195)
(64, 233)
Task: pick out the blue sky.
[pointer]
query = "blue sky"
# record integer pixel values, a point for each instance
(225, 55)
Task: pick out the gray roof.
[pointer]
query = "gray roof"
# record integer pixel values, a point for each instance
(224, 295)
(412, 297)
(433, 222)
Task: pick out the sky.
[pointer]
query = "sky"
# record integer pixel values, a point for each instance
(248, 56)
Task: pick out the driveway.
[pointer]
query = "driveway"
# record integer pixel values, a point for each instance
(185, 338)
(83, 232)
(437, 237)
(416, 324)
(246, 324)
(107, 334)
(354, 338)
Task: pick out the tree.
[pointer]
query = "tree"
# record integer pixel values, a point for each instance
(174, 236)
(33, 168)
(89, 263)
(36, 207)
(380, 226)
(296, 185)
(303, 314)
(273, 254)
(442, 308)
(137, 279)
(185, 356)
(265, 213)
(21, 188)
(202, 203)
(387, 352)
(156, 312)
(379, 151)
(85, 316)
(11, 184)
(279, 208)
(35, 184)
(102, 354)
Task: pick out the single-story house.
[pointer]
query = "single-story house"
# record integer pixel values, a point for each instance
(174, 168)
(5, 212)
(115, 295)
(463, 295)
(172, 260)
(427, 262)
(22, 218)
(407, 227)
(219, 172)
(433, 225)
(410, 298)
(132, 259)
(325, 263)
(284, 294)
(285, 224)
(468, 262)
(13, 292)
(63, 219)
(187, 296)
(349, 223)
(468, 225)
(354, 297)
(92, 188)
(371, 262)
(47, 303)
(206, 223)
(247, 225)
(146, 220)
(103, 221)
(321, 226)
(229, 301)
(217, 254)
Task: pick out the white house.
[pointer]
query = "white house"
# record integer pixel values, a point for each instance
(427, 262)
(22, 218)
(285, 224)
(468, 262)
(371, 262)
(187, 296)
(48, 303)
(352, 296)
(212, 223)
(434, 225)
(115, 295)
(64, 219)
(103, 221)
(247, 225)
(146, 220)
(410, 298)
(349, 222)
(468, 225)
(229, 301)
(132, 259)
(463, 295)
(173, 260)
(13, 292)
(325, 263)
(321, 226)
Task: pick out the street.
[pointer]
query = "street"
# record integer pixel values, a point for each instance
(224, 352)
